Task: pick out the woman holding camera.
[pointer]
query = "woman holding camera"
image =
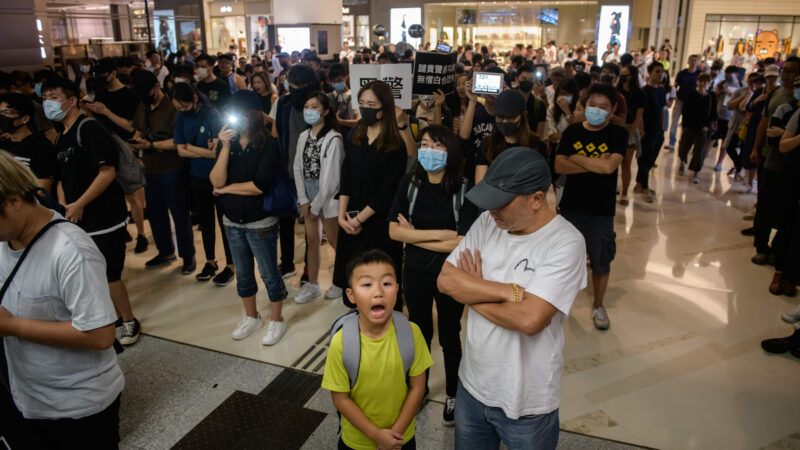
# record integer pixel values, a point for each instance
(317, 168)
(246, 168)
(374, 162)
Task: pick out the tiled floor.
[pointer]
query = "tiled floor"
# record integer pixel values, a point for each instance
(681, 366)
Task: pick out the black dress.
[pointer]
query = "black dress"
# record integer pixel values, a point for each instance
(369, 178)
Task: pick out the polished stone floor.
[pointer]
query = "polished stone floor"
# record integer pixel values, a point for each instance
(680, 368)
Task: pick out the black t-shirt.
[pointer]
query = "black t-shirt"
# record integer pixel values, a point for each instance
(78, 166)
(591, 193)
(655, 98)
(36, 152)
(122, 102)
(538, 146)
(433, 210)
(217, 91)
(482, 126)
(537, 112)
(634, 100)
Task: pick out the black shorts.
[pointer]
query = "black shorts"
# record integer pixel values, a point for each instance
(99, 430)
(601, 240)
(112, 246)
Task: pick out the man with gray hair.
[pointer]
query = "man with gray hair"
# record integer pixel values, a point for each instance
(519, 269)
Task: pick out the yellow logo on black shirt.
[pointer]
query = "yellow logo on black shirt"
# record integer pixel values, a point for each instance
(590, 150)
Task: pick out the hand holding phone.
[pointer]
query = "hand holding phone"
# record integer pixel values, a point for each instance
(487, 83)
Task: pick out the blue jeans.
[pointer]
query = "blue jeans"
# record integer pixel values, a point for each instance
(481, 427)
(677, 108)
(164, 195)
(261, 244)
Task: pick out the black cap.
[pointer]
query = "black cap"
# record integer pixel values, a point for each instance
(509, 103)
(517, 171)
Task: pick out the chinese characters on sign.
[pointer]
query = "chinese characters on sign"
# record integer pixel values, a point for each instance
(397, 76)
(434, 71)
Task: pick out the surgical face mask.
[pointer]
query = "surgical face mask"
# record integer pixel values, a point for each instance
(432, 160)
(369, 115)
(37, 88)
(312, 116)
(427, 100)
(181, 80)
(796, 93)
(568, 98)
(507, 128)
(596, 116)
(526, 86)
(729, 79)
(202, 73)
(52, 110)
(340, 86)
(84, 68)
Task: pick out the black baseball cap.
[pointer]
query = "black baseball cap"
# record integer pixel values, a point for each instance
(509, 103)
(517, 171)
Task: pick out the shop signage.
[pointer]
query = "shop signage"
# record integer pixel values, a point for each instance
(225, 9)
(434, 71)
(398, 76)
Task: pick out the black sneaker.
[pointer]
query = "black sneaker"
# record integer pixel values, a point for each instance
(189, 266)
(209, 270)
(449, 413)
(130, 332)
(782, 345)
(160, 261)
(760, 259)
(128, 237)
(141, 244)
(223, 278)
(287, 271)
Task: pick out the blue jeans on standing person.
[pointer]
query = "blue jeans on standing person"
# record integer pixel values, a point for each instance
(482, 427)
(677, 107)
(164, 194)
(260, 244)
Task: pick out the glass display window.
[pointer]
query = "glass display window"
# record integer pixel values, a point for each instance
(225, 31)
(728, 37)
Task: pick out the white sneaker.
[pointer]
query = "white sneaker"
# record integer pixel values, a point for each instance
(246, 327)
(792, 316)
(308, 292)
(275, 331)
(333, 292)
(600, 318)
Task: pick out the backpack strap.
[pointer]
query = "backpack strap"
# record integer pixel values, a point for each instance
(405, 339)
(80, 143)
(411, 195)
(351, 347)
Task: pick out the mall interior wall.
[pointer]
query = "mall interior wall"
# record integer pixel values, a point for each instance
(22, 45)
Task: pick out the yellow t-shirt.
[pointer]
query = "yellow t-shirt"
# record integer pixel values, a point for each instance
(381, 386)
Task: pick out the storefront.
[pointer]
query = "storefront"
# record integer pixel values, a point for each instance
(729, 35)
(355, 23)
(244, 25)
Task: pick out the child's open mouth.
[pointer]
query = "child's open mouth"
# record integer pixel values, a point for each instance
(378, 311)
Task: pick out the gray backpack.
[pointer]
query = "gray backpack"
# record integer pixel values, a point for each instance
(351, 342)
(458, 198)
(130, 172)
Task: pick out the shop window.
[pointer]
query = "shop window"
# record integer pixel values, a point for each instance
(728, 37)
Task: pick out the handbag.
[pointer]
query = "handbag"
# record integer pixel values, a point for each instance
(281, 200)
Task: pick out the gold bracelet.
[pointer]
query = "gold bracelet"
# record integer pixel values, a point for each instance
(517, 298)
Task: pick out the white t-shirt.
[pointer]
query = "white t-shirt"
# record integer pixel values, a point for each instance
(63, 279)
(750, 62)
(503, 368)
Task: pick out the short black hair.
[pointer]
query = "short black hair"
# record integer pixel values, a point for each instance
(69, 88)
(603, 89)
(22, 77)
(337, 70)
(151, 53)
(185, 70)
(302, 75)
(524, 68)
(20, 103)
(388, 55)
(373, 256)
(731, 69)
(143, 82)
(206, 57)
(225, 57)
(583, 79)
(43, 75)
(518, 60)
(125, 61)
(313, 58)
(653, 66)
(612, 67)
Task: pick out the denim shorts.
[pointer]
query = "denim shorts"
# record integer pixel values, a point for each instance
(312, 188)
(259, 245)
(601, 240)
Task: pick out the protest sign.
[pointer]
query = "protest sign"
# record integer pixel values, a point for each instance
(434, 71)
(397, 76)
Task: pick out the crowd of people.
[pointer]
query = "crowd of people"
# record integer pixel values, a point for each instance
(445, 203)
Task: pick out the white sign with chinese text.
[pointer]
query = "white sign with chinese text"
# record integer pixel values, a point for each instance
(398, 76)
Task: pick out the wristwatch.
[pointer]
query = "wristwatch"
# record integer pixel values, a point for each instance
(403, 127)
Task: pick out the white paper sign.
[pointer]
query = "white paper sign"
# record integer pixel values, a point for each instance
(399, 77)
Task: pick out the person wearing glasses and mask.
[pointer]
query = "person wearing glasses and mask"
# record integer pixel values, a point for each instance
(216, 89)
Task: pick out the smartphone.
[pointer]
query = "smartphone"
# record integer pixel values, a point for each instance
(487, 83)
(539, 73)
(442, 47)
(132, 141)
(352, 214)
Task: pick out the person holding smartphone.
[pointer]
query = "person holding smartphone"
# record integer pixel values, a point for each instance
(374, 163)
(476, 124)
(247, 167)
(536, 108)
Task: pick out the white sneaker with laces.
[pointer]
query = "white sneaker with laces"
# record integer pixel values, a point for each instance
(333, 292)
(792, 316)
(600, 318)
(307, 293)
(275, 331)
(246, 327)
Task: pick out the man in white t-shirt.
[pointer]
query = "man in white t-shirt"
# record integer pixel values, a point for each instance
(57, 325)
(518, 268)
(750, 61)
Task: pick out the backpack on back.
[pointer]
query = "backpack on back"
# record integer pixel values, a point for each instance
(458, 198)
(351, 342)
(130, 172)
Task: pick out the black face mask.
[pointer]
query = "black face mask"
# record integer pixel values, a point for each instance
(526, 86)
(369, 115)
(300, 95)
(507, 128)
(7, 124)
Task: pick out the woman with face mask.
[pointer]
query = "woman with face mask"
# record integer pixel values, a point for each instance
(560, 115)
(317, 167)
(431, 110)
(246, 167)
(628, 86)
(196, 128)
(510, 130)
(430, 215)
(374, 163)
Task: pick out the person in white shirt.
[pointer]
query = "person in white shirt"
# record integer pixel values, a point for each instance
(155, 66)
(750, 61)
(347, 53)
(518, 269)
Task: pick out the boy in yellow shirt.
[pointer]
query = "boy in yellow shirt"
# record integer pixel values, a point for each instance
(379, 410)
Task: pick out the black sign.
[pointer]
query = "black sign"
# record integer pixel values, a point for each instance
(433, 71)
